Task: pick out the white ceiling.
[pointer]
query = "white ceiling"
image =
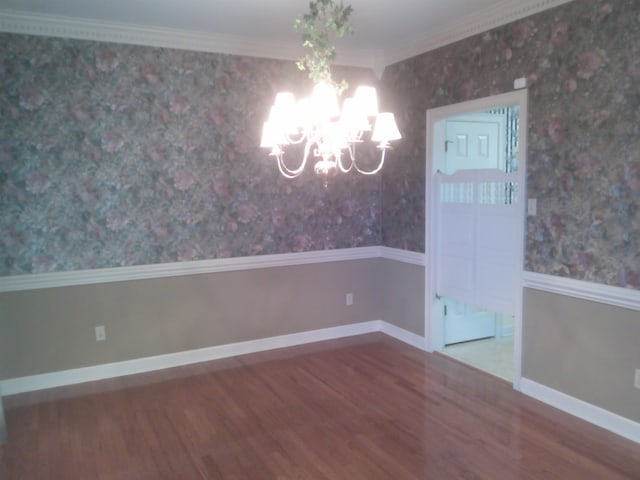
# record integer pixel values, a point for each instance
(385, 31)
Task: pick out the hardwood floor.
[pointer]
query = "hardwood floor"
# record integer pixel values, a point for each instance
(367, 407)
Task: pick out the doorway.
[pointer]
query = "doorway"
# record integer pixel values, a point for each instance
(476, 164)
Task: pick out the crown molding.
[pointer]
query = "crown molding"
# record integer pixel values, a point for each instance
(501, 13)
(26, 23)
(85, 29)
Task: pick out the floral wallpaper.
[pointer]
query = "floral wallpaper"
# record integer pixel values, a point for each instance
(115, 155)
(582, 62)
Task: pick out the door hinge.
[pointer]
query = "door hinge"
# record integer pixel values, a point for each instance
(444, 310)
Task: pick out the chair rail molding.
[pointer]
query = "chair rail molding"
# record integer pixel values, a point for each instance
(35, 281)
(596, 292)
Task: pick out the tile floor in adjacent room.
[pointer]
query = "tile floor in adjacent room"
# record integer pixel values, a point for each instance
(493, 355)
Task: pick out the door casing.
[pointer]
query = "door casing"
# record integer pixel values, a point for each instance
(433, 312)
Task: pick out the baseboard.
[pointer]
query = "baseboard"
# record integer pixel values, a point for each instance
(140, 365)
(598, 416)
(403, 335)
(588, 412)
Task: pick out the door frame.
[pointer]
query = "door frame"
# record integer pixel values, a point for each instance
(3, 423)
(432, 311)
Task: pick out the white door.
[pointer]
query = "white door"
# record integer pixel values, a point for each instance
(478, 213)
(477, 224)
(475, 141)
(463, 322)
(477, 200)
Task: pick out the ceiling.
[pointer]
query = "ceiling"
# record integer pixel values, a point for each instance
(385, 31)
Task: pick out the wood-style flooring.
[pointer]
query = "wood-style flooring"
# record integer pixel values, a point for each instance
(367, 407)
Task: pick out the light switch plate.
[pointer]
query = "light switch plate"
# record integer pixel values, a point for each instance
(519, 83)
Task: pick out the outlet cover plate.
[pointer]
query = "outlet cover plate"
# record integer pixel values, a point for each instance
(101, 335)
(349, 299)
(637, 382)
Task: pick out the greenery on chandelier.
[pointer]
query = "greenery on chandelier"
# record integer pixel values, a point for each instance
(325, 17)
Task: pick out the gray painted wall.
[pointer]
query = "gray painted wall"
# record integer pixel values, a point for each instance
(402, 300)
(585, 349)
(53, 329)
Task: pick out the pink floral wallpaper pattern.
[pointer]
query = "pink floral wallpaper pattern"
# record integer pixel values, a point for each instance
(116, 155)
(582, 62)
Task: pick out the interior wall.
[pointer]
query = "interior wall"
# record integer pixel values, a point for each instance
(584, 349)
(116, 155)
(129, 155)
(581, 63)
(402, 296)
(52, 329)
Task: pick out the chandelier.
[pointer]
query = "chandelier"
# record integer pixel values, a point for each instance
(328, 133)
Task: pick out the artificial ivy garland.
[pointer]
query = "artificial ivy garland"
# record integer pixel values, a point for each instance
(324, 17)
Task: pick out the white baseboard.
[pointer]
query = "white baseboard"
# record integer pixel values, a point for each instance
(403, 335)
(147, 364)
(598, 416)
(622, 426)
(140, 365)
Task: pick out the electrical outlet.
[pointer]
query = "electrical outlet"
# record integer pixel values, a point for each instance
(637, 382)
(349, 299)
(101, 335)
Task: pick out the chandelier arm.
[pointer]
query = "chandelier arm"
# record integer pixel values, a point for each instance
(283, 170)
(351, 147)
(375, 170)
(286, 171)
(342, 168)
(293, 172)
(296, 141)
